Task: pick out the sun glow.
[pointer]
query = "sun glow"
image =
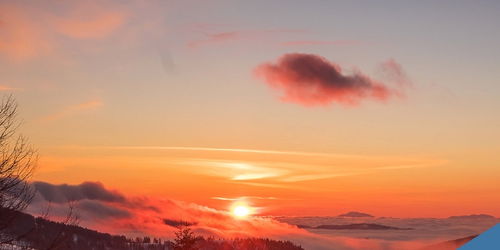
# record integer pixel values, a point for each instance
(241, 211)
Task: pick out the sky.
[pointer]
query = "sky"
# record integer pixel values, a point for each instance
(295, 107)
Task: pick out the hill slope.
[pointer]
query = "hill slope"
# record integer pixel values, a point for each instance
(38, 233)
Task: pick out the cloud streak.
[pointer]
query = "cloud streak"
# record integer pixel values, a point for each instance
(9, 88)
(268, 168)
(287, 174)
(320, 42)
(215, 38)
(244, 198)
(311, 80)
(73, 109)
(223, 37)
(229, 150)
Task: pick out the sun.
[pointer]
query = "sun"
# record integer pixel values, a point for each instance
(241, 211)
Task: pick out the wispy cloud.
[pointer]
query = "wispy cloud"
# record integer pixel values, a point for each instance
(230, 150)
(274, 168)
(394, 72)
(244, 198)
(215, 38)
(29, 31)
(270, 185)
(9, 88)
(310, 177)
(320, 42)
(237, 171)
(89, 22)
(235, 35)
(291, 175)
(22, 36)
(253, 176)
(73, 109)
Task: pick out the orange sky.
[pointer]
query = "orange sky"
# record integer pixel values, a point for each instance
(278, 182)
(194, 101)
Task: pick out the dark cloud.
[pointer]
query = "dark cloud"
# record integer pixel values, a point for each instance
(97, 209)
(86, 190)
(312, 80)
(178, 223)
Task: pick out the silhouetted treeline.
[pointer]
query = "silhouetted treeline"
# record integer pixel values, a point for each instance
(39, 233)
(245, 243)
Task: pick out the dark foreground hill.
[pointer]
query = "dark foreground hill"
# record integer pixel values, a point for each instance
(28, 232)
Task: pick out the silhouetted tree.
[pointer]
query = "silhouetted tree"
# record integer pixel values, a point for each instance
(17, 163)
(61, 236)
(184, 239)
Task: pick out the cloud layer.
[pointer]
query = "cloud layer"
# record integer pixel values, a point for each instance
(311, 80)
(145, 215)
(110, 211)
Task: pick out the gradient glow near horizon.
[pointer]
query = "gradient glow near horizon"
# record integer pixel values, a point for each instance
(196, 101)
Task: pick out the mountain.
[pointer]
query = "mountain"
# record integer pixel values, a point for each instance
(355, 214)
(357, 226)
(473, 216)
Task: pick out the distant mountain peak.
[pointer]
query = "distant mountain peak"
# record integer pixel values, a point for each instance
(472, 216)
(357, 226)
(355, 214)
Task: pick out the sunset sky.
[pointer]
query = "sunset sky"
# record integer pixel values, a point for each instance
(205, 102)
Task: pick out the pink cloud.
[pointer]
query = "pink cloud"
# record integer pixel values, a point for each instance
(394, 72)
(28, 32)
(89, 22)
(312, 80)
(22, 35)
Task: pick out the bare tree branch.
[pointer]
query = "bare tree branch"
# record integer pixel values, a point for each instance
(17, 163)
(71, 219)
